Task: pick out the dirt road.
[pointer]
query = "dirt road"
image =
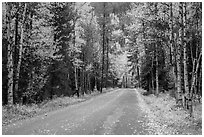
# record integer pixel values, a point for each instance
(116, 112)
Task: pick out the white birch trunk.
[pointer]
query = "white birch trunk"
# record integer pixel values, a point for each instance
(20, 50)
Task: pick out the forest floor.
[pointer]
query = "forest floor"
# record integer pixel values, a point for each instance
(20, 112)
(168, 119)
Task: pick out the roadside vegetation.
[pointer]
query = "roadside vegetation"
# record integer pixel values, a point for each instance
(20, 112)
(167, 118)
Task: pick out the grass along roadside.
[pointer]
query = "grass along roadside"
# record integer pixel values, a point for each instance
(165, 118)
(20, 112)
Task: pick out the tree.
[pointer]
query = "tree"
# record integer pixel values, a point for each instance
(156, 47)
(172, 49)
(15, 40)
(186, 84)
(63, 28)
(9, 55)
(20, 50)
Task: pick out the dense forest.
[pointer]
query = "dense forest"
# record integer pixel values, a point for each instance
(65, 48)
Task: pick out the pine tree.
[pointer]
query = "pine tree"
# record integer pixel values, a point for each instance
(63, 29)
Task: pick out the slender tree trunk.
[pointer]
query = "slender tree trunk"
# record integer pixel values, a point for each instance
(149, 83)
(9, 55)
(178, 75)
(83, 80)
(123, 82)
(103, 46)
(95, 86)
(170, 54)
(200, 85)
(15, 39)
(157, 73)
(179, 93)
(152, 74)
(171, 34)
(138, 73)
(79, 80)
(186, 84)
(173, 62)
(156, 54)
(194, 73)
(88, 83)
(75, 68)
(197, 53)
(76, 79)
(144, 36)
(174, 65)
(107, 64)
(20, 50)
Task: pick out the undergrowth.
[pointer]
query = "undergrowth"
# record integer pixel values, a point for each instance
(20, 112)
(167, 118)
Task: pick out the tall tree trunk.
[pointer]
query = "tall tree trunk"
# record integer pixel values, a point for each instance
(143, 40)
(194, 73)
(157, 73)
(83, 78)
(76, 78)
(107, 60)
(186, 84)
(152, 74)
(75, 68)
(9, 55)
(103, 46)
(171, 34)
(179, 92)
(144, 36)
(173, 62)
(200, 84)
(156, 47)
(85, 91)
(88, 83)
(197, 51)
(15, 39)
(138, 73)
(20, 50)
